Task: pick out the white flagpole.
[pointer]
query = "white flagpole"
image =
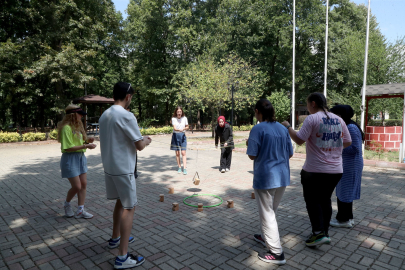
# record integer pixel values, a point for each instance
(293, 73)
(363, 92)
(326, 48)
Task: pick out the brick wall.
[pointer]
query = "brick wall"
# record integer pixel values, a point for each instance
(389, 137)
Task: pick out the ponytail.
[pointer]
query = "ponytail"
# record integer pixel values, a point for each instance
(320, 101)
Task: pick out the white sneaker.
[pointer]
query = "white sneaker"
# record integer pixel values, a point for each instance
(352, 221)
(335, 223)
(68, 211)
(223, 170)
(227, 170)
(83, 214)
(129, 262)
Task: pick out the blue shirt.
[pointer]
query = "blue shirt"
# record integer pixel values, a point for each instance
(270, 143)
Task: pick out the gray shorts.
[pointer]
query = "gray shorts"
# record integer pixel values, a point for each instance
(73, 164)
(122, 187)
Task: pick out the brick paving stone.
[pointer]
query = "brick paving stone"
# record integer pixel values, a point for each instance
(34, 233)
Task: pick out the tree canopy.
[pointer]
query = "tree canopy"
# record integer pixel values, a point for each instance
(184, 52)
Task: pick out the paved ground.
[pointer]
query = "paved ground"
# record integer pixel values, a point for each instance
(35, 235)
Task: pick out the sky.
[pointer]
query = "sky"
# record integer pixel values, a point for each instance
(388, 13)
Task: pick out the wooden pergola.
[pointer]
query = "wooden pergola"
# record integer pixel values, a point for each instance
(92, 99)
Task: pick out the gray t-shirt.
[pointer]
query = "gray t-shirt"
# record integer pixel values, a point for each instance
(118, 133)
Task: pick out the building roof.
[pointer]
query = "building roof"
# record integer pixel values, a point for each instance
(385, 89)
(93, 99)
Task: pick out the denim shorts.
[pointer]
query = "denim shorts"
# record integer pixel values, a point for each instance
(73, 164)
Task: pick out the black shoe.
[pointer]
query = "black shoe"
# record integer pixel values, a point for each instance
(272, 258)
(317, 239)
(258, 238)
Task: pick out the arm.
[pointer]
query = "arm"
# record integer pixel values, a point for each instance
(347, 140)
(141, 144)
(252, 157)
(230, 138)
(355, 147)
(81, 147)
(294, 137)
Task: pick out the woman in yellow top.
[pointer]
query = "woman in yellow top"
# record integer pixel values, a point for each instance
(73, 163)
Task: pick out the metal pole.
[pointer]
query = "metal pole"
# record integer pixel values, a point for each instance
(232, 107)
(293, 74)
(363, 94)
(326, 49)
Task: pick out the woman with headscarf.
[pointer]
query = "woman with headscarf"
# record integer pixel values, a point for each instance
(348, 188)
(223, 131)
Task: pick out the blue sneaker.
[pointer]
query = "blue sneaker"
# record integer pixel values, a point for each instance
(115, 243)
(185, 171)
(129, 262)
(179, 170)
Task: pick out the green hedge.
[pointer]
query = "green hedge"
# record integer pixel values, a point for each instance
(6, 137)
(155, 131)
(31, 136)
(243, 128)
(387, 123)
(53, 134)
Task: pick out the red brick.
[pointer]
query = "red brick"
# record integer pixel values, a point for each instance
(370, 130)
(394, 137)
(389, 145)
(374, 137)
(390, 130)
(398, 129)
(378, 129)
(367, 137)
(384, 137)
(397, 145)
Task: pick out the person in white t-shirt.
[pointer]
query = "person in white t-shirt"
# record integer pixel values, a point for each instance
(179, 139)
(120, 138)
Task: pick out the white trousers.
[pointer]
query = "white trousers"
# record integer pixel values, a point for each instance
(268, 201)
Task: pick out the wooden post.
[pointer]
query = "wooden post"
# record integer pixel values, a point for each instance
(253, 195)
(230, 204)
(171, 190)
(162, 198)
(200, 207)
(175, 207)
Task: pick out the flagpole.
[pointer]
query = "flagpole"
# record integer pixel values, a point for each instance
(293, 73)
(363, 92)
(326, 49)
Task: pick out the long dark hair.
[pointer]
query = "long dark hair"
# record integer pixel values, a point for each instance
(175, 111)
(320, 101)
(265, 107)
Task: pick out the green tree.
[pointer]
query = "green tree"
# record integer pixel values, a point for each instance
(282, 105)
(208, 84)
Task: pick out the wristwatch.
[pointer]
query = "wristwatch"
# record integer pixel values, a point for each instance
(287, 127)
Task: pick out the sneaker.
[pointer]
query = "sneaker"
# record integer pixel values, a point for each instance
(129, 262)
(352, 221)
(179, 170)
(185, 171)
(68, 211)
(83, 214)
(336, 223)
(227, 170)
(115, 243)
(136, 175)
(272, 258)
(223, 170)
(317, 239)
(258, 238)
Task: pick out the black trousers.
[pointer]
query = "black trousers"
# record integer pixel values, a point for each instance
(345, 211)
(318, 189)
(226, 158)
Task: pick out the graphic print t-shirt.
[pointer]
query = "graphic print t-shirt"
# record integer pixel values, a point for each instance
(324, 142)
(180, 123)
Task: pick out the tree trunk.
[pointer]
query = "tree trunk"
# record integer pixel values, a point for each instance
(138, 95)
(212, 122)
(167, 113)
(198, 119)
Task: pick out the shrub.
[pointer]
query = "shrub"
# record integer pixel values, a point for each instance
(243, 128)
(53, 134)
(31, 136)
(155, 131)
(6, 137)
(387, 123)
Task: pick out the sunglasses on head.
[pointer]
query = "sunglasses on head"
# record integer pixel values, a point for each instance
(128, 88)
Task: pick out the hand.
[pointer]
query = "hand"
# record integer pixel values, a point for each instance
(147, 139)
(90, 139)
(285, 123)
(181, 130)
(91, 146)
(225, 144)
(247, 142)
